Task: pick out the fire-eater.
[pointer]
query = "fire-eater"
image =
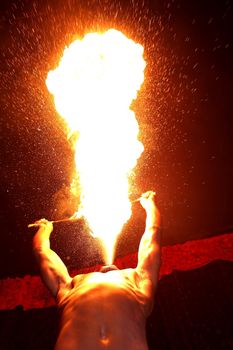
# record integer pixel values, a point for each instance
(105, 309)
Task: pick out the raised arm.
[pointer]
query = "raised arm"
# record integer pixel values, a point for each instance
(149, 253)
(53, 271)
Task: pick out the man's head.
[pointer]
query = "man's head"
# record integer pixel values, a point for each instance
(107, 268)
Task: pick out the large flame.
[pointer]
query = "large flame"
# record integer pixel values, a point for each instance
(94, 85)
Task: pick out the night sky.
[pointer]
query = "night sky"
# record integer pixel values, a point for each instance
(184, 110)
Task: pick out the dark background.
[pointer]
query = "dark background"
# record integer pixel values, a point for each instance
(184, 110)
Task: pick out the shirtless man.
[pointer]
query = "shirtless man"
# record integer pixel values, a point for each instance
(106, 309)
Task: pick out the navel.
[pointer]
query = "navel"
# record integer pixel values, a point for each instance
(104, 336)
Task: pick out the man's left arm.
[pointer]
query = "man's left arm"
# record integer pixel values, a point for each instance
(149, 254)
(53, 271)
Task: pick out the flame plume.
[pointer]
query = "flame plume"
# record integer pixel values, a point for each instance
(93, 86)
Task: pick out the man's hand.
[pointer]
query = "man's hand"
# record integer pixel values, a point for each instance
(147, 199)
(43, 224)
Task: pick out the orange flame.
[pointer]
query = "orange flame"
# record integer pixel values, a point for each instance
(93, 87)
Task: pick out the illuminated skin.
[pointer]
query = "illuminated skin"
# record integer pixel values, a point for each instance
(106, 309)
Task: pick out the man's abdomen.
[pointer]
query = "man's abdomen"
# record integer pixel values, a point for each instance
(102, 320)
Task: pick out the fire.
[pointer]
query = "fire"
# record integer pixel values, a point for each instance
(93, 86)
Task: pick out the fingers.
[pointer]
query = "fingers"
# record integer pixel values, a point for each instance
(148, 195)
(147, 199)
(41, 222)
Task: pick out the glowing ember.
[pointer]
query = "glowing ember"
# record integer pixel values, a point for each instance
(93, 88)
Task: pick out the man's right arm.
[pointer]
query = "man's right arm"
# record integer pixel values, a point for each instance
(149, 254)
(53, 271)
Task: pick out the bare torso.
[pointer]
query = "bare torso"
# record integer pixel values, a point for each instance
(103, 311)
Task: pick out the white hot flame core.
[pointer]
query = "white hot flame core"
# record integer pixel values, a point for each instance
(94, 85)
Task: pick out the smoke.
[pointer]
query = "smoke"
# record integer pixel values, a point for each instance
(64, 203)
